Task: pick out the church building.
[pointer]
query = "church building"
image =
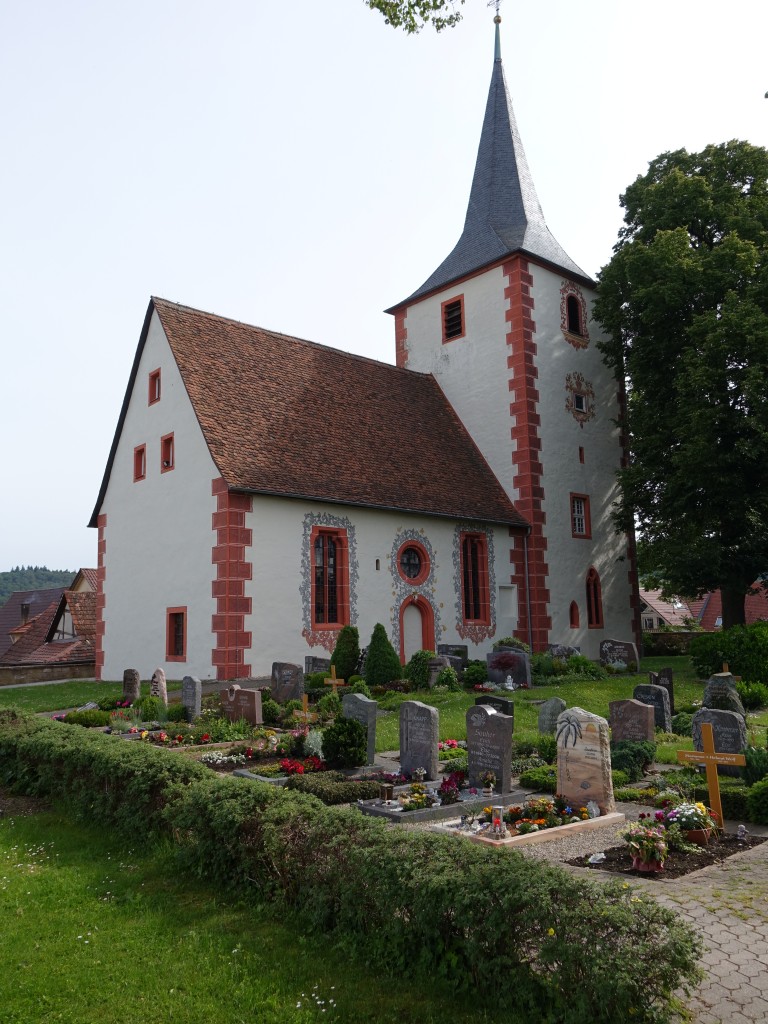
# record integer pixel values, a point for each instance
(262, 491)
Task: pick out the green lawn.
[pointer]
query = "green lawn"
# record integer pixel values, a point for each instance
(72, 694)
(95, 933)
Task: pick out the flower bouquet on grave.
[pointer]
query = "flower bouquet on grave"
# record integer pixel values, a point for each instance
(416, 798)
(648, 846)
(449, 788)
(488, 780)
(692, 819)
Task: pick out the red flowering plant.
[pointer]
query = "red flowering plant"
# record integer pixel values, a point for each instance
(291, 767)
(449, 788)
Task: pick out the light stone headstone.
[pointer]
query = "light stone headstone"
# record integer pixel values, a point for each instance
(584, 760)
(363, 710)
(618, 654)
(549, 712)
(192, 696)
(504, 705)
(436, 666)
(658, 698)
(237, 703)
(131, 685)
(509, 663)
(158, 687)
(489, 746)
(729, 732)
(419, 729)
(631, 720)
(720, 693)
(287, 682)
(313, 664)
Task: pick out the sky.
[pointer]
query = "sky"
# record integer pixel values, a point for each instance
(297, 166)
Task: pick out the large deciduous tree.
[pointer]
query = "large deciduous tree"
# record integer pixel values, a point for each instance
(413, 15)
(685, 301)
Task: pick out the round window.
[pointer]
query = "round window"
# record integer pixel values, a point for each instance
(410, 563)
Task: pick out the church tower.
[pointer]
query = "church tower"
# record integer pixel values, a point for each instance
(504, 324)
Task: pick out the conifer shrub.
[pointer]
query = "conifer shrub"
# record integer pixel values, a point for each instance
(448, 677)
(382, 664)
(543, 779)
(546, 745)
(475, 674)
(151, 709)
(91, 719)
(756, 767)
(757, 803)
(345, 743)
(270, 710)
(176, 712)
(329, 706)
(359, 686)
(682, 723)
(417, 669)
(346, 653)
(333, 788)
(633, 757)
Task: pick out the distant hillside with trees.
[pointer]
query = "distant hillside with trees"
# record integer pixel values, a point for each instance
(33, 577)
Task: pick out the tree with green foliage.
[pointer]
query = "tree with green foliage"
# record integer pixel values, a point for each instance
(685, 303)
(33, 577)
(346, 653)
(382, 664)
(413, 15)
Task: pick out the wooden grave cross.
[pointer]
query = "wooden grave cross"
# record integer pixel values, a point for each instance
(305, 715)
(333, 681)
(711, 759)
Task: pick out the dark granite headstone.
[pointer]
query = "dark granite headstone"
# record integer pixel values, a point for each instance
(720, 693)
(489, 746)
(436, 666)
(729, 732)
(563, 651)
(131, 685)
(618, 654)
(549, 712)
(287, 682)
(363, 710)
(664, 678)
(419, 728)
(237, 703)
(455, 651)
(514, 665)
(658, 697)
(632, 720)
(313, 664)
(500, 704)
(191, 696)
(158, 687)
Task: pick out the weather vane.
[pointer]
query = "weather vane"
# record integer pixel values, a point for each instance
(496, 4)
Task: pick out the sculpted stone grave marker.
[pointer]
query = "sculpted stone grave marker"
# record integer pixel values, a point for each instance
(192, 696)
(131, 685)
(729, 731)
(158, 687)
(631, 720)
(363, 710)
(287, 682)
(500, 704)
(658, 698)
(502, 664)
(563, 651)
(237, 703)
(489, 746)
(721, 693)
(419, 726)
(549, 712)
(584, 760)
(618, 654)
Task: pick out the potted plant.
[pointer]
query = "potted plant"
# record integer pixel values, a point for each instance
(488, 780)
(648, 846)
(694, 820)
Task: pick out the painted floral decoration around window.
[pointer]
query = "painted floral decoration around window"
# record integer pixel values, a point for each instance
(402, 588)
(326, 637)
(476, 632)
(580, 402)
(573, 315)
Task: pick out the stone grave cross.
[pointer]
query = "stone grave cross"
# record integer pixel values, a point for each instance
(333, 681)
(711, 759)
(305, 715)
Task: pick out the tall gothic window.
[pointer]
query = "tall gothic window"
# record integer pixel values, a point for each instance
(594, 600)
(474, 578)
(330, 603)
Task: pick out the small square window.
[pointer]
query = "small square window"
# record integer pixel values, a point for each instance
(579, 402)
(167, 454)
(140, 462)
(154, 387)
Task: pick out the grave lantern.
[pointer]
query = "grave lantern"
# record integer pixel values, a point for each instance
(386, 791)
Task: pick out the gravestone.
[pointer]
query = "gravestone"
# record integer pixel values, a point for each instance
(435, 667)
(237, 703)
(618, 654)
(632, 720)
(456, 663)
(658, 698)
(192, 696)
(363, 710)
(584, 760)
(287, 682)
(729, 731)
(419, 726)
(664, 678)
(131, 685)
(720, 693)
(157, 686)
(509, 663)
(489, 746)
(313, 664)
(549, 712)
(500, 704)
(455, 651)
(562, 651)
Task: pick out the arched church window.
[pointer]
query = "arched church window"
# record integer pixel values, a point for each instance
(573, 315)
(594, 600)
(574, 615)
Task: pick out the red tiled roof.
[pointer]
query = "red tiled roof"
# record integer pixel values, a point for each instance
(34, 648)
(82, 606)
(671, 613)
(709, 608)
(91, 578)
(289, 417)
(10, 612)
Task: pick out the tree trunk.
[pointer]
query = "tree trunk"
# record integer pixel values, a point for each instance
(733, 605)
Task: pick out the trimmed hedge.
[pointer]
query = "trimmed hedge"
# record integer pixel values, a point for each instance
(332, 788)
(489, 921)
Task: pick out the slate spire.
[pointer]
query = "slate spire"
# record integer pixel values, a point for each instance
(504, 215)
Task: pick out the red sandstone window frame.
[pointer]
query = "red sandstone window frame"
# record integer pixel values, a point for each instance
(167, 453)
(424, 567)
(330, 589)
(475, 593)
(445, 317)
(176, 633)
(573, 615)
(581, 520)
(154, 387)
(594, 600)
(139, 463)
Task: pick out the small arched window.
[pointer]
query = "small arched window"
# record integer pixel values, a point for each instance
(574, 615)
(573, 315)
(594, 600)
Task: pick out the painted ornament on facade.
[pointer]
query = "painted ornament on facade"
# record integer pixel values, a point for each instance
(402, 588)
(573, 315)
(580, 402)
(476, 632)
(326, 638)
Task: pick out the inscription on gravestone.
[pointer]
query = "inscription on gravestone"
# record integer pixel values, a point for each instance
(131, 685)
(619, 654)
(500, 704)
(419, 727)
(584, 760)
(631, 720)
(489, 746)
(721, 693)
(549, 712)
(287, 682)
(363, 710)
(563, 651)
(455, 651)
(313, 664)
(237, 703)
(658, 698)
(158, 687)
(502, 664)
(729, 731)
(666, 679)
(192, 696)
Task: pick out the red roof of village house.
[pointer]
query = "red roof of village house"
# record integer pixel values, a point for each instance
(293, 418)
(10, 612)
(34, 645)
(709, 609)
